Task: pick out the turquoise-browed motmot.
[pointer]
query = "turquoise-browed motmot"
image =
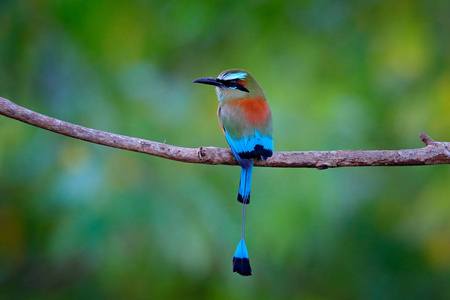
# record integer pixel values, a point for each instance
(246, 121)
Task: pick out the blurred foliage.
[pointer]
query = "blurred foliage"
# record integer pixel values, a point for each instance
(83, 221)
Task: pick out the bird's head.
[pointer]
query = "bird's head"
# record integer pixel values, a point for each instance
(234, 84)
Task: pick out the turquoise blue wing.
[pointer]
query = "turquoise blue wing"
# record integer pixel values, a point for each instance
(256, 146)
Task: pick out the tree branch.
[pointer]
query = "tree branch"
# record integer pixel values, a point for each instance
(434, 153)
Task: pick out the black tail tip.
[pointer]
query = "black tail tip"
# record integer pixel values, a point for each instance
(241, 199)
(242, 266)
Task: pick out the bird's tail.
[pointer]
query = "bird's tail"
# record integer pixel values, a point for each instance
(241, 262)
(245, 185)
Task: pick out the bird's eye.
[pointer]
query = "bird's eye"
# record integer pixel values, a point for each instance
(232, 83)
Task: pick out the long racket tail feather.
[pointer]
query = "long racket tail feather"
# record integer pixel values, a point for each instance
(241, 262)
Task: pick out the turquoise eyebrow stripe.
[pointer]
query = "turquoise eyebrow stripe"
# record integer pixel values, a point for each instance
(231, 76)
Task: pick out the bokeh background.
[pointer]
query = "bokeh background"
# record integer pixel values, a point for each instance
(83, 221)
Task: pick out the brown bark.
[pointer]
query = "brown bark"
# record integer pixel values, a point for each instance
(433, 154)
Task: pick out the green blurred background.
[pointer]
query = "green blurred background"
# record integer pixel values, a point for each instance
(83, 221)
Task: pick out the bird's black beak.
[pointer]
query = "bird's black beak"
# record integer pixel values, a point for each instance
(209, 80)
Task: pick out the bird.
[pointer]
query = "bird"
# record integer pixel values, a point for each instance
(246, 121)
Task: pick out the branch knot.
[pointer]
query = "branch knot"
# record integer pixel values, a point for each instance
(201, 153)
(321, 165)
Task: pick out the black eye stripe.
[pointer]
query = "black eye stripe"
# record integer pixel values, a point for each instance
(232, 83)
(229, 83)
